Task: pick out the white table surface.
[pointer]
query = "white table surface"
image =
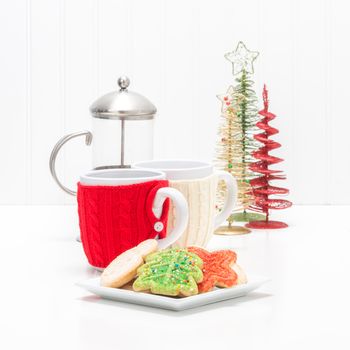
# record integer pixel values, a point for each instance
(306, 306)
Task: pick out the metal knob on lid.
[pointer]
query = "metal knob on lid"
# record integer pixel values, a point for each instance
(123, 82)
(123, 104)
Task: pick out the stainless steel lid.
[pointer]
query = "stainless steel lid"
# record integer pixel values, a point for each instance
(123, 104)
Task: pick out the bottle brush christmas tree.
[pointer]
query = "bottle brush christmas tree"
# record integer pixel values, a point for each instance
(262, 188)
(236, 141)
(229, 158)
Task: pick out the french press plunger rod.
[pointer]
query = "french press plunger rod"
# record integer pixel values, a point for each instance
(99, 112)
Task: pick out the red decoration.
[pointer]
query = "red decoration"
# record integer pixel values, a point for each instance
(217, 269)
(261, 185)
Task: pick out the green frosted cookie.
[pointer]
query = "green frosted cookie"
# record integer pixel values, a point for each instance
(170, 272)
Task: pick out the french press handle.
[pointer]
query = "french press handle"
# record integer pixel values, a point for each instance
(56, 149)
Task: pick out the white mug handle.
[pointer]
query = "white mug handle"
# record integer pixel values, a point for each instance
(230, 198)
(181, 213)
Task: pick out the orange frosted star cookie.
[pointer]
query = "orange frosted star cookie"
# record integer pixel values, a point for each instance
(219, 269)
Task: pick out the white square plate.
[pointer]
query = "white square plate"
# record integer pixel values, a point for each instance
(171, 303)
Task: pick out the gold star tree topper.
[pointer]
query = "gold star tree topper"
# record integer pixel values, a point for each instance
(242, 59)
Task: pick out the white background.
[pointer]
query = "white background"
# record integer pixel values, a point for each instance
(57, 56)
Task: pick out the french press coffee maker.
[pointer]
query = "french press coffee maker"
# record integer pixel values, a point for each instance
(122, 131)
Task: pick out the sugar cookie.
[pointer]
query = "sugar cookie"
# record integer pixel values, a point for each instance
(242, 277)
(147, 247)
(124, 267)
(173, 272)
(219, 269)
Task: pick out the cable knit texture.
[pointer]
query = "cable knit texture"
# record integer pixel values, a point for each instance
(114, 219)
(200, 195)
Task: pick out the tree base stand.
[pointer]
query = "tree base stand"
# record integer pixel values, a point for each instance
(232, 230)
(266, 225)
(247, 217)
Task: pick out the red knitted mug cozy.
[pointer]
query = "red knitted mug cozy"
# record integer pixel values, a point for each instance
(114, 219)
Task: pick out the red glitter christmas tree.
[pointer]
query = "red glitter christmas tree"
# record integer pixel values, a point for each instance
(261, 185)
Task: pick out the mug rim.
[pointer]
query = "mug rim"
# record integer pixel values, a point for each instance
(145, 163)
(144, 174)
(195, 169)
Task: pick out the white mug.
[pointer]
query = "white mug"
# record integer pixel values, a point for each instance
(197, 181)
(119, 201)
